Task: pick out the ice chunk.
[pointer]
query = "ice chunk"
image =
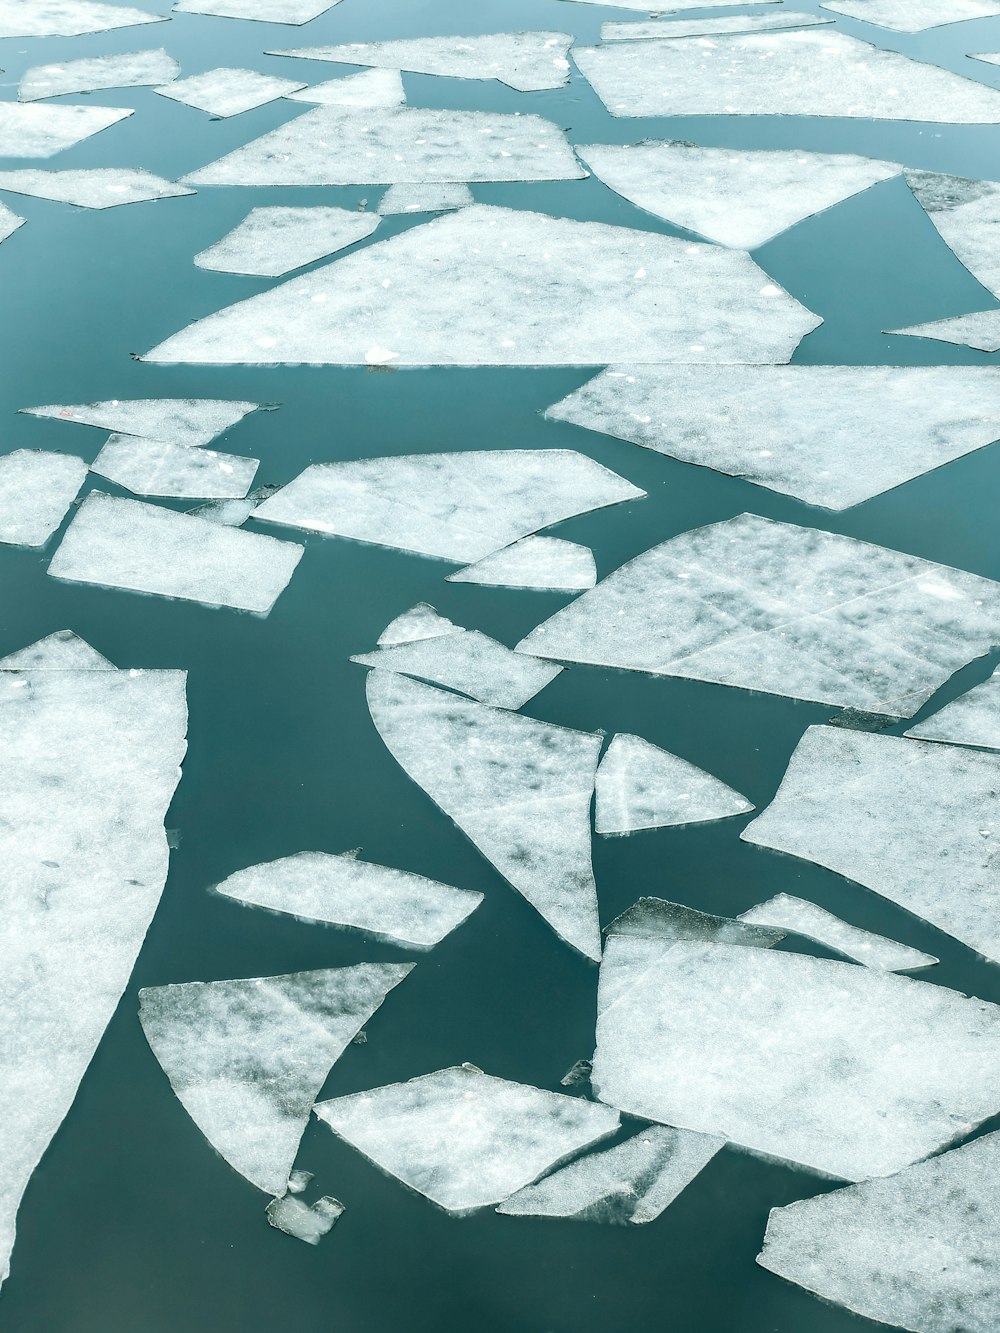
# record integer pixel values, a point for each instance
(989, 58)
(736, 197)
(914, 822)
(561, 292)
(973, 719)
(761, 74)
(67, 18)
(656, 29)
(520, 790)
(120, 543)
(36, 490)
(459, 506)
(9, 222)
(547, 563)
(295, 12)
(395, 905)
(671, 6)
(234, 513)
(440, 198)
(966, 214)
(525, 61)
(632, 1182)
(832, 436)
(420, 622)
(980, 330)
(785, 610)
(145, 467)
(814, 923)
(247, 1058)
(61, 651)
(90, 762)
(299, 1181)
(43, 131)
(272, 241)
(228, 92)
(463, 1139)
(134, 69)
(640, 786)
(190, 421)
(576, 1074)
(304, 1221)
(371, 88)
(913, 15)
(92, 187)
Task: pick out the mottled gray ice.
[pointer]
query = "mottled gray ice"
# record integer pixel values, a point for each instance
(190, 421)
(272, 241)
(440, 198)
(463, 1139)
(136, 69)
(61, 651)
(92, 187)
(913, 15)
(972, 719)
(657, 29)
(966, 214)
(795, 915)
(233, 513)
(304, 1221)
(36, 491)
(67, 18)
(420, 622)
(27, 130)
(9, 222)
(980, 330)
(228, 92)
(370, 88)
(545, 563)
(640, 786)
(146, 467)
(295, 12)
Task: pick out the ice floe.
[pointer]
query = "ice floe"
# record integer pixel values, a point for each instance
(61, 651)
(988, 58)
(657, 29)
(146, 467)
(966, 214)
(272, 241)
(420, 622)
(913, 15)
(519, 789)
(440, 198)
(769, 606)
(914, 822)
(36, 491)
(304, 1221)
(370, 88)
(295, 12)
(670, 6)
(832, 436)
(136, 69)
(92, 187)
(233, 513)
(761, 74)
(395, 905)
(560, 292)
(980, 330)
(27, 130)
(228, 92)
(190, 421)
(972, 719)
(119, 543)
(640, 786)
(247, 1058)
(463, 1139)
(633, 1182)
(9, 222)
(545, 563)
(67, 18)
(789, 913)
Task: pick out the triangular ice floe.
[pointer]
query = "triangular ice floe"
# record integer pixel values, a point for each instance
(295, 12)
(67, 18)
(27, 130)
(92, 187)
(420, 622)
(640, 786)
(9, 222)
(972, 719)
(913, 15)
(136, 69)
(272, 241)
(371, 88)
(980, 330)
(786, 912)
(146, 467)
(190, 421)
(988, 57)
(61, 651)
(36, 490)
(228, 92)
(966, 214)
(438, 198)
(546, 563)
(657, 29)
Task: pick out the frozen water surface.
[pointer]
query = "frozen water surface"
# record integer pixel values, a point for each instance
(670, 6)
(228, 92)
(304, 1221)
(247, 1058)
(546, 563)
(655, 29)
(980, 330)
(146, 467)
(135, 69)
(463, 1139)
(420, 622)
(189, 421)
(966, 213)
(43, 131)
(61, 651)
(913, 15)
(973, 719)
(424, 199)
(272, 241)
(36, 491)
(640, 786)
(806, 919)
(91, 187)
(9, 222)
(67, 18)
(370, 88)
(295, 12)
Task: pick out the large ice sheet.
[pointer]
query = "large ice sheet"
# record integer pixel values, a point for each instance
(913, 15)
(966, 213)
(67, 18)
(801, 73)
(518, 788)
(61, 651)
(395, 905)
(295, 12)
(525, 61)
(980, 330)
(119, 543)
(272, 241)
(737, 197)
(190, 421)
(832, 436)
(90, 762)
(545, 563)
(146, 467)
(370, 88)
(43, 131)
(228, 92)
(657, 29)
(459, 506)
(464, 1139)
(633, 1182)
(495, 286)
(9, 222)
(789, 913)
(92, 187)
(134, 69)
(640, 786)
(915, 822)
(247, 1058)
(785, 610)
(36, 490)
(440, 198)
(972, 719)
(308, 1222)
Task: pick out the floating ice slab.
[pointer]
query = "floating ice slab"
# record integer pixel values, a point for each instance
(145, 467)
(118, 543)
(632, 1182)
(272, 241)
(545, 563)
(92, 187)
(736, 197)
(832, 436)
(640, 786)
(67, 18)
(371, 88)
(420, 622)
(190, 421)
(9, 222)
(294, 12)
(228, 92)
(36, 490)
(670, 6)
(561, 293)
(785, 610)
(247, 1058)
(424, 199)
(911, 821)
(395, 905)
(657, 29)
(336, 145)
(136, 69)
(519, 789)
(761, 74)
(43, 131)
(308, 1222)
(91, 760)
(61, 651)
(526, 61)
(973, 719)
(233, 513)
(966, 213)
(463, 1139)
(459, 506)
(980, 330)
(989, 58)
(913, 15)
(814, 923)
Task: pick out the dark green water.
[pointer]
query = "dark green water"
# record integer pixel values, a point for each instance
(132, 1224)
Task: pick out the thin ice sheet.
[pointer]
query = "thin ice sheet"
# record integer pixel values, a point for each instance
(228, 92)
(67, 18)
(270, 242)
(36, 491)
(189, 421)
(92, 187)
(658, 29)
(972, 719)
(913, 15)
(146, 467)
(134, 69)
(966, 214)
(786, 912)
(295, 12)
(370, 88)
(640, 786)
(27, 130)
(548, 564)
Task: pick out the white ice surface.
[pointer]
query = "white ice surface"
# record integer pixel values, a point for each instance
(670, 6)
(43, 131)
(36, 491)
(546, 563)
(913, 15)
(135, 69)
(61, 651)
(228, 92)
(370, 88)
(972, 719)
(9, 222)
(441, 198)
(67, 18)
(966, 214)
(272, 241)
(420, 622)
(308, 1222)
(190, 421)
(295, 12)
(657, 29)
(980, 330)
(91, 187)
(146, 467)
(786, 912)
(640, 786)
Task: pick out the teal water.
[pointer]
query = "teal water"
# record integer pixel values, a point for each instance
(132, 1224)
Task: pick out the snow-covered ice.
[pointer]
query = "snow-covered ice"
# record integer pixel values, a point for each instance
(640, 786)
(437, 198)
(135, 69)
(228, 92)
(270, 242)
(92, 187)
(972, 719)
(27, 130)
(549, 564)
(68, 18)
(190, 421)
(786, 912)
(36, 491)
(146, 467)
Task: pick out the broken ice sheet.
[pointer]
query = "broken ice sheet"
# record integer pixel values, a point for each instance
(913, 15)
(395, 905)
(769, 606)
(370, 88)
(972, 719)
(735, 197)
(420, 622)
(61, 651)
(561, 292)
(916, 823)
(228, 92)
(463, 1139)
(9, 222)
(656, 29)
(188, 421)
(814, 923)
(762, 74)
(135, 69)
(640, 786)
(459, 506)
(671, 6)
(304, 1221)
(525, 61)
(520, 790)
(42, 131)
(966, 214)
(295, 12)
(988, 58)
(36, 490)
(91, 187)
(146, 467)
(917, 1251)
(118, 543)
(545, 563)
(980, 330)
(91, 758)
(632, 1182)
(67, 18)
(247, 1058)
(272, 241)
(832, 436)
(234, 513)
(439, 198)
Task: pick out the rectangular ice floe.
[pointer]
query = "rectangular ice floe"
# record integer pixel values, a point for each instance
(136, 69)
(917, 823)
(272, 241)
(972, 719)
(143, 548)
(785, 610)
(36, 490)
(806, 919)
(658, 29)
(43, 131)
(424, 199)
(913, 15)
(308, 1222)
(189, 421)
(67, 18)
(549, 564)
(91, 187)
(295, 12)
(228, 92)
(146, 467)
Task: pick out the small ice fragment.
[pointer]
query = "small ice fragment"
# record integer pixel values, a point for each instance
(67, 18)
(233, 513)
(228, 92)
(370, 88)
(188, 421)
(272, 241)
(640, 786)
(657, 29)
(980, 330)
(295, 12)
(913, 15)
(420, 622)
(146, 467)
(814, 923)
(437, 198)
(966, 214)
(36, 490)
(61, 651)
(92, 187)
(671, 6)
(135, 69)
(578, 1073)
(545, 563)
(988, 58)
(305, 1221)
(9, 222)
(43, 131)
(298, 1181)
(972, 719)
